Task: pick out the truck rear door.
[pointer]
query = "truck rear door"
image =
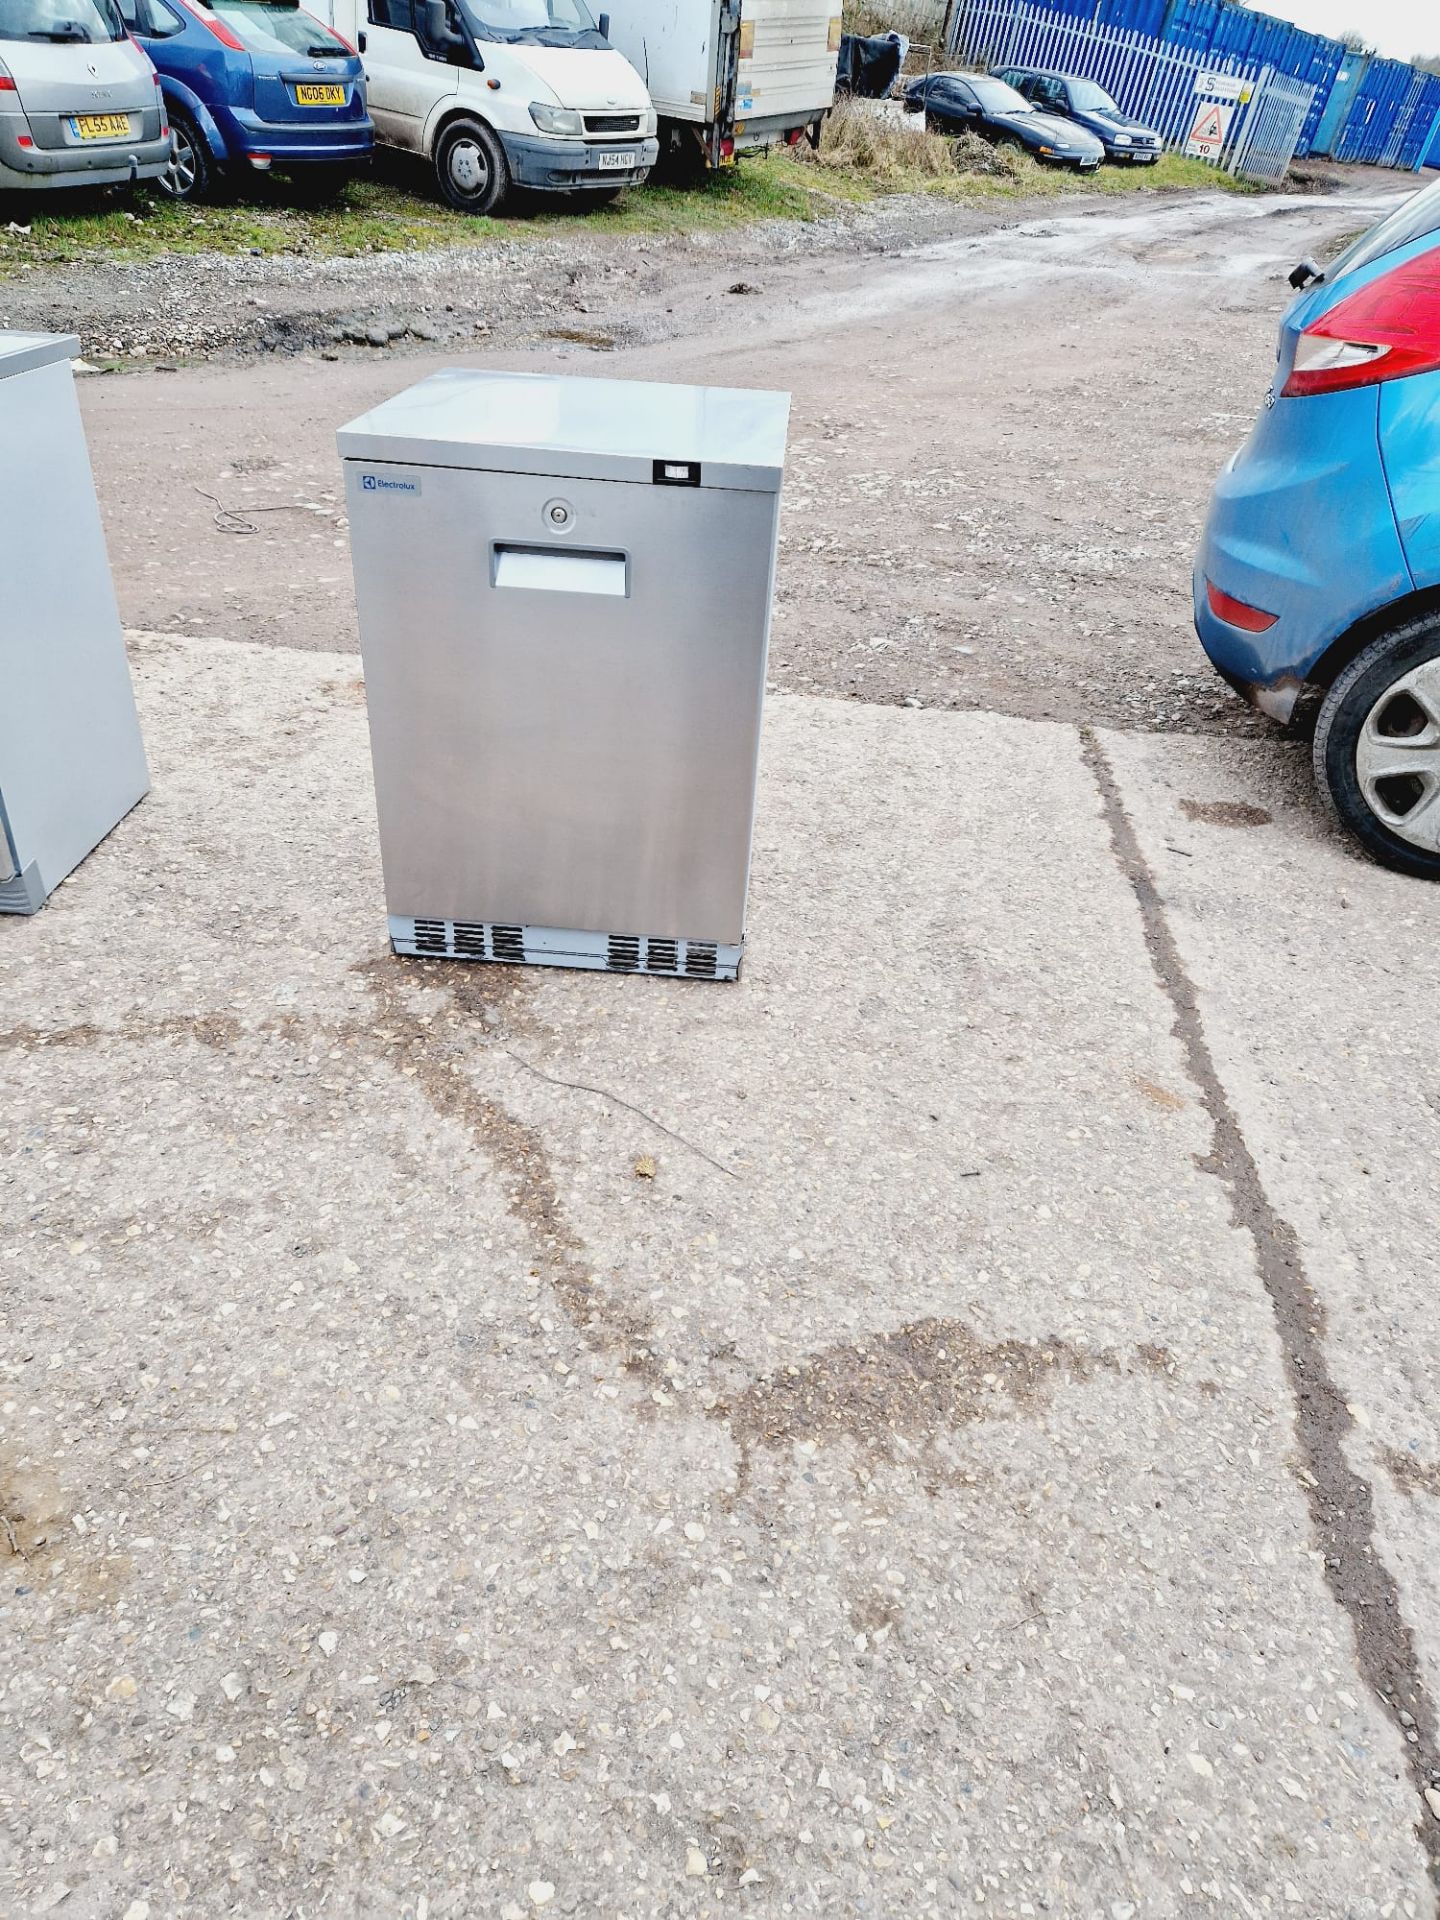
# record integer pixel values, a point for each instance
(787, 59)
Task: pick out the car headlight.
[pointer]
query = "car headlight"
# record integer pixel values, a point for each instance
(1123, 140)
(1048, 150)
(555, 119)
(651, 121)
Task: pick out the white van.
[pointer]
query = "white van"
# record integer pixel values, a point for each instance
(503, 93)
(80, 103)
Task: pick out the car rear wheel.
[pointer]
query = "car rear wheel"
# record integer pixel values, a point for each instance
(191, 172)
(1377, 748)
(470, 167)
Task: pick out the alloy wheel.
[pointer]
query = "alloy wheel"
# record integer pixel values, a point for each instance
(1397, 757)
(178, 179)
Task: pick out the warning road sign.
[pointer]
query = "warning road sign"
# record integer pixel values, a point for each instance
(1208, 131)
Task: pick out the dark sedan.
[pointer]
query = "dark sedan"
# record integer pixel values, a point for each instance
(1123, 137)
(978, 103)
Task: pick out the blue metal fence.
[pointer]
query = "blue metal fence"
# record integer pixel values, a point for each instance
(1379, 111)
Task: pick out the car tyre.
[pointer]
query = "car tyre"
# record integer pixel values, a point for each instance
(191, 174)
(1377, 748)
(471, 168)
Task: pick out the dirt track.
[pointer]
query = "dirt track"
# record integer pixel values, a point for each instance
(1005, 430)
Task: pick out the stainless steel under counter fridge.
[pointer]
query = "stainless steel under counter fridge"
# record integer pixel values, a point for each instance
(564, 593)
(71, 760)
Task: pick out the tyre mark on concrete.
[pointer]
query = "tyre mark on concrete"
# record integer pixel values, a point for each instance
(1341, 1502)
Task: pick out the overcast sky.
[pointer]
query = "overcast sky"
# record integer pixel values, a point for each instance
(1400, 28)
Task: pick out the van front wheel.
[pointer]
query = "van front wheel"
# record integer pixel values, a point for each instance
(470, 167)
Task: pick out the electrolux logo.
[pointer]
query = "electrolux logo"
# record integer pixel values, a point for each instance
(382, 483)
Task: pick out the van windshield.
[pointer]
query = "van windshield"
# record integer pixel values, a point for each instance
(61, 20)
(536, 23)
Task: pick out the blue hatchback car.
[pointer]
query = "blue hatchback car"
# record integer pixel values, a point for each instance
(1320, 564)
(252, 84)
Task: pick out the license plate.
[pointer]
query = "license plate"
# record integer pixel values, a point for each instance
(614, 162)
(100, 126)
(307, 95)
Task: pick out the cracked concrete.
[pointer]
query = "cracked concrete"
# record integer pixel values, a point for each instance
(914, 1505)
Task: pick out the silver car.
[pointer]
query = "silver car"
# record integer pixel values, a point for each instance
(80, 103)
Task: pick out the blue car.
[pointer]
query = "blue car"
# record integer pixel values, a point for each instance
(1320, 564)
(252, 84)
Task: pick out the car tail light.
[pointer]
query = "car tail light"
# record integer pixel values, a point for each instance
(1386, 331)
(216, 25)
(1238, 613)
(7, 83)
(727, 148)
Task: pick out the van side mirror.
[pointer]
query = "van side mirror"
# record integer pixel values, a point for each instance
(1305, 275)
(438, 30)
(603, 24)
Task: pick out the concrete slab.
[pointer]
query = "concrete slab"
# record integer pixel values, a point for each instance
(482, 1441)
(1315, 973)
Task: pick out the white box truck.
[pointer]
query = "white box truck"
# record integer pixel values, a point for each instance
(498, 94)
(731, 76)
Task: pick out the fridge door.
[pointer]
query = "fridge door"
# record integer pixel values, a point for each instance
(565, 681)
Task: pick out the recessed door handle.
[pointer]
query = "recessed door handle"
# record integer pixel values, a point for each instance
(559, 570)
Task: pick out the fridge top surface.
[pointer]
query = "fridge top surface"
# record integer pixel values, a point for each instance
(577, 429)
(19, 352)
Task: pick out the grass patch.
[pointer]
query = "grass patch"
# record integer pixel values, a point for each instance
(868, 152)
(769, 187)
(388, 211)
(371, 216)
(862, 155)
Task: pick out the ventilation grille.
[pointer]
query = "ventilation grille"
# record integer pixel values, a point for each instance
(612, 123)
(551, 946)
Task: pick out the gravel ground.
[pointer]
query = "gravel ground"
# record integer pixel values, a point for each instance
(199, 306)
(1005, 427)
